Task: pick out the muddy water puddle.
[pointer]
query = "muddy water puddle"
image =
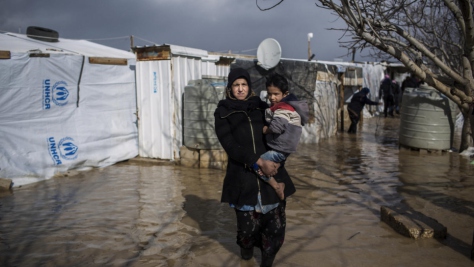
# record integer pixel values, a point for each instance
(139, 214)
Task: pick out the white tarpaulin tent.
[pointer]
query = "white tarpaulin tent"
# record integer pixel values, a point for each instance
(64, 105)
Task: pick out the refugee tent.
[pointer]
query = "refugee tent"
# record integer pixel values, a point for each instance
(64, 104)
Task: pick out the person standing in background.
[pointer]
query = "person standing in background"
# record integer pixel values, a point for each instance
(386, 92)
(356, 105)
(396, 95)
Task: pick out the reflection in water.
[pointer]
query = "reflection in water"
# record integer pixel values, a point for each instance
(114, 216)
(137, 214)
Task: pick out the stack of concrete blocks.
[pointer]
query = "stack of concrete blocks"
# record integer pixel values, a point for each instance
(5, 184)
(411, 223)
(201, 158)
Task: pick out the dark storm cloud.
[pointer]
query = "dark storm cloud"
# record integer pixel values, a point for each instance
(212, 25)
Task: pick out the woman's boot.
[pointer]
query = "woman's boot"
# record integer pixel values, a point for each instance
(246, 253)
(267, 261)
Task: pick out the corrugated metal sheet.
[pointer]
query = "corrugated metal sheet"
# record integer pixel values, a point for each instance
(216, 65)
(208, 68)
(160, 89)
(187, 51)
(184, 70)
(155, 106)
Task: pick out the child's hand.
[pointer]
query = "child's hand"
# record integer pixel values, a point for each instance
(265, 129)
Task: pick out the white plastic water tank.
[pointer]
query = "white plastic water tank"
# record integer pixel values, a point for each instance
(200, 101)
(426, 119)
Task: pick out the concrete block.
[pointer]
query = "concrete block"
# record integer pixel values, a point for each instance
(188, 153)
(411, 223)
(5, 184)
(189, 157)
(213, 159)
(213, 155)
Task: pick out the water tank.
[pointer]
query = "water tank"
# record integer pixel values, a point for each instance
(42, 34)
(199, 103)
(427, 119)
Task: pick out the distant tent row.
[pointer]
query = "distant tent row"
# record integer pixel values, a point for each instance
(74, 104)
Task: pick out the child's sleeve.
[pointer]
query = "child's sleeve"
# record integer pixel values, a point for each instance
(279, 121)
(268, 116)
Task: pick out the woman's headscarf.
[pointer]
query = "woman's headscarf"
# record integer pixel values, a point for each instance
(235, 74)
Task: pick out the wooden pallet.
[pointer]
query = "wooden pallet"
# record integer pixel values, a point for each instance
(422, 150)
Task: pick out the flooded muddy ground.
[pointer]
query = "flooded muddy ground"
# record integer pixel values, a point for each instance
(142, 214)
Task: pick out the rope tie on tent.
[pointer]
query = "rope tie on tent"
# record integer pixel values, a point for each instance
(79, 80)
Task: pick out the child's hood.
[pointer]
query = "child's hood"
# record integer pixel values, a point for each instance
(300, 106)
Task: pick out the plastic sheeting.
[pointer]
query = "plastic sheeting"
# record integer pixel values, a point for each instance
(59, 112)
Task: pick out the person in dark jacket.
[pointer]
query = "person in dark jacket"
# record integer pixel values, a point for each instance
(386, 91)
(409, 82)
(239, 123)
(358, 101)
(396, 96)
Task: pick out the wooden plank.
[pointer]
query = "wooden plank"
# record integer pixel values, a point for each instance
(225, 61)
(422, 151)
(5, 54)
(108, 61)
(39, 55)
(153, 53)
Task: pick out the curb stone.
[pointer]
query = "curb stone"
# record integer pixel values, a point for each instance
(411, 223)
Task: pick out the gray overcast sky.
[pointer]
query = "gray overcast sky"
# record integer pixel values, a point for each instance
(212, 25)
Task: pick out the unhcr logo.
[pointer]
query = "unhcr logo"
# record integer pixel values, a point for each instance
(60, 93)
(57, 93)
(67, 148)
(64, 149)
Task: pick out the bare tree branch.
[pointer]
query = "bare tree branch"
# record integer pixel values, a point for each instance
(256, 2)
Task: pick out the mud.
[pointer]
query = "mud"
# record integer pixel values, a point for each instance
(141, 214)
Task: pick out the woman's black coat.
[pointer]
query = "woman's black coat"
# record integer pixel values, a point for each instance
(239, 128)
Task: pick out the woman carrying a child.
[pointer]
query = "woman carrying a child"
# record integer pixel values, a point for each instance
(260, 213)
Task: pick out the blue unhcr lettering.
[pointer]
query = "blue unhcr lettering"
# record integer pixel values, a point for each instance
(53, 151)
(46, 94)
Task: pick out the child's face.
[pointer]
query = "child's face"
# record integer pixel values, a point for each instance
(274, 94)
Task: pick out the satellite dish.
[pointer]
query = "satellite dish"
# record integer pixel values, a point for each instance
(269, 53)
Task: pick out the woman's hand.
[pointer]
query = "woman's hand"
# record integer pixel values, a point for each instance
(269, 168)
